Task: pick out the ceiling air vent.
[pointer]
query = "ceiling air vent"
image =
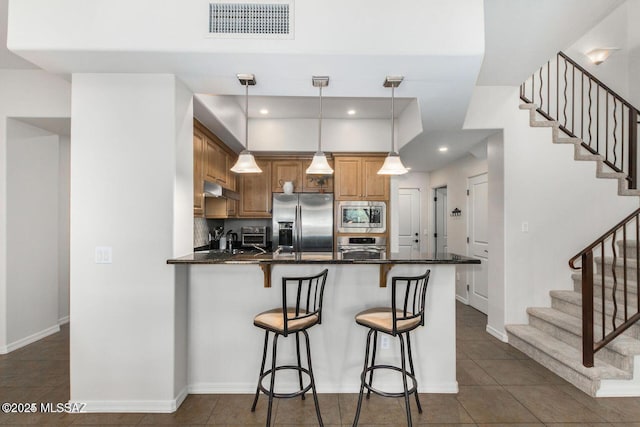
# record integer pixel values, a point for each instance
(273, 20)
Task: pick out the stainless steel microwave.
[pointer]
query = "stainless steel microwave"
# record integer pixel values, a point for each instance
(362, 217)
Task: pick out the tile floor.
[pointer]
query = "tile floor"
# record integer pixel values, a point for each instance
(499, 386)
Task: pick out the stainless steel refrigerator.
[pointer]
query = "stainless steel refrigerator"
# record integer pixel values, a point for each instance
(303, 222)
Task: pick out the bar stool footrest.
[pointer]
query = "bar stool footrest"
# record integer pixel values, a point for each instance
(368, 386)
(285, 395)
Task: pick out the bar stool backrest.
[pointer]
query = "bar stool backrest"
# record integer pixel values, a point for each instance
(412, 292)
(308, 292)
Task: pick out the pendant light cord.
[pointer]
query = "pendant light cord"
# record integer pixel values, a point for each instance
(246, 115)
(320, 124)
(393, 139)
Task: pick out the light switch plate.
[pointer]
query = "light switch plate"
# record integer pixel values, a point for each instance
(103, 255)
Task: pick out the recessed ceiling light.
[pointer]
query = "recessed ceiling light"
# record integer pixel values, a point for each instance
(351, 112)
(443, 149)
(408, 168)
(264, 111)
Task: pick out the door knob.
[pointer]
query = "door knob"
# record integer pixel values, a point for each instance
(416, 234)
(416, 240)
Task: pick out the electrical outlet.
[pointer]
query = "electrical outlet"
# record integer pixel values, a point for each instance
(384, 342)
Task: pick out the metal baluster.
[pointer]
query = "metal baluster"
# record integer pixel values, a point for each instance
(564, 109)
(615, 281)
(590, 118)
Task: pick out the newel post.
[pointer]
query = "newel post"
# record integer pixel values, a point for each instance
(587, 309)
(633, 148)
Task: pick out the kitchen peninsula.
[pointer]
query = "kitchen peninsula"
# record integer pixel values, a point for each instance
(226, 291)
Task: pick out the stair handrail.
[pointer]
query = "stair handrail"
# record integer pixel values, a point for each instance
(589, 347)
(601, 239)
(588, 125)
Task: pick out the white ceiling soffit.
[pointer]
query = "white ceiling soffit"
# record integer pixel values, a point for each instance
(9, 59)
(521, 35)
(421, 157)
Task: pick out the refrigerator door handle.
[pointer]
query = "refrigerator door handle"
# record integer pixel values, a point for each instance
(299, 228)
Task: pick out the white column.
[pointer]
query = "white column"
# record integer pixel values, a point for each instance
(131, 138)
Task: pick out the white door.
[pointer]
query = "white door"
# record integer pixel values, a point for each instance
(409, 220)
(440, 220)
(478, 205)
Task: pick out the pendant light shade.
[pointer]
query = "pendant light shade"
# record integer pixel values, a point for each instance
(246, 163)
(319, 165)
(392, 164)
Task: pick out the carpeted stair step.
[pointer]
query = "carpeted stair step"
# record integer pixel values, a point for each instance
(570, 302)
(632, 286)
(619, 353)
(561, 358)
(631, 266)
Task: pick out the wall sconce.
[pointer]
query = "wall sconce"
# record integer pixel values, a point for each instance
(456, 212)
(598, 56)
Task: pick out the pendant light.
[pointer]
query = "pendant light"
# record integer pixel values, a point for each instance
(319, 164)
(246, 162)
(392, 164)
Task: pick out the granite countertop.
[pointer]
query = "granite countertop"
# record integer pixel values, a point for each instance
(217, 257)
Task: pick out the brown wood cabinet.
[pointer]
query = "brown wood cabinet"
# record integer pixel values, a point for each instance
(286, 170)
(356, 178)
(255, 192)
(198, 176)
(217, 162)
(212, 160)
(310, 183)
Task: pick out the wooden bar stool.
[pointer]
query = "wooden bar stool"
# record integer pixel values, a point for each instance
(397, 321)
(304, 312)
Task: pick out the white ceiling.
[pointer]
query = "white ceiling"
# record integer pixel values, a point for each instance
(305, 107)
(519, 35)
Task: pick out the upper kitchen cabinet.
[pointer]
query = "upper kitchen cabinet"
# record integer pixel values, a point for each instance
(317, 183)
(356, 178)
(198, 174)
(217, 164)
(255, 192)
(217, 158)
(286, 170)
(294, 170)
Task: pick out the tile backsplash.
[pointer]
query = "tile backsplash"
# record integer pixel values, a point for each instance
(200, 232)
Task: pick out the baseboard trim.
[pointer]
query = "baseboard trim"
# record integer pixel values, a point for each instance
(63, 320)
(463, 300)
(150, 406)
(29, 340)
(501, 335)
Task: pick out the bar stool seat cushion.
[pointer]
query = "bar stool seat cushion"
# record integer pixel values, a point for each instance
(381, 319)
(274, 320)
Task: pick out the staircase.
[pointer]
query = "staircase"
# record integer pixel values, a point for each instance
(553, 336)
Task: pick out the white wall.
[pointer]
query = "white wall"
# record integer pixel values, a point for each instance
(455, 177)
(129, 172)
(32, 234)
(23, 93)
(64, 187)
(612, 31)
(565, 205)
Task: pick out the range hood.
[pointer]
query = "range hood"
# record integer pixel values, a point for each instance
(213, 189)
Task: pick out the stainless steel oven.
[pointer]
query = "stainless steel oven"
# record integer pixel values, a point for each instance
(362, 217)
(359, 247)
